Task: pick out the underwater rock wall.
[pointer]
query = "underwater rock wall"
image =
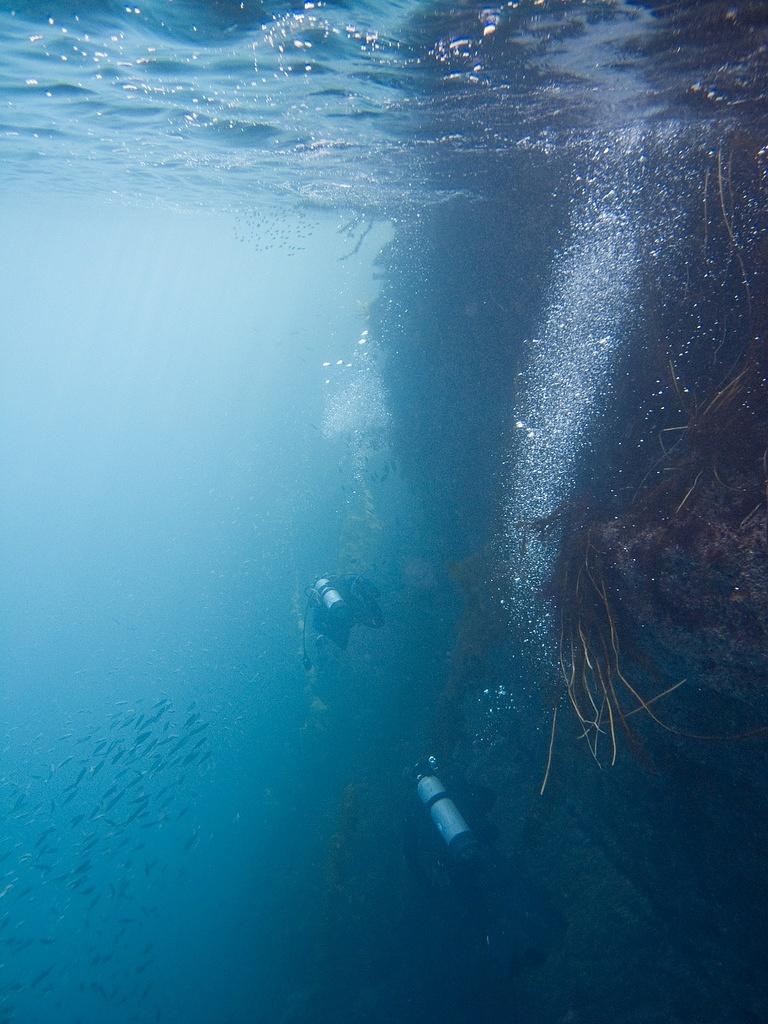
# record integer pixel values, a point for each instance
(631, 892)
(647, 862)
(661, 569)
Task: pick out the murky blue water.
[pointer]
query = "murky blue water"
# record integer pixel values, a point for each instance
(467, 299)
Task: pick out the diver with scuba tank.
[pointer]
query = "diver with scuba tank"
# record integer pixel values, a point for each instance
(336, 604)
(458, 837)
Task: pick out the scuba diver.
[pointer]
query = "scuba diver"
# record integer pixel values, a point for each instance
(501, 915)
(338, 603)
(440, 847)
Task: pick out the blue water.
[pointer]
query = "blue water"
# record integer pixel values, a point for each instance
(390, 288)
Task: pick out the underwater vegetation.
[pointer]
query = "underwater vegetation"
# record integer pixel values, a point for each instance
(339, 848)
(669, 592)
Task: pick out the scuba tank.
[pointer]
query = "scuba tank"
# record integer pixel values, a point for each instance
(458, 837)
(334, 614)
(326, 595)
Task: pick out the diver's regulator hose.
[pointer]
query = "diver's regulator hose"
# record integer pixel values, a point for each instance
(306, 660)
